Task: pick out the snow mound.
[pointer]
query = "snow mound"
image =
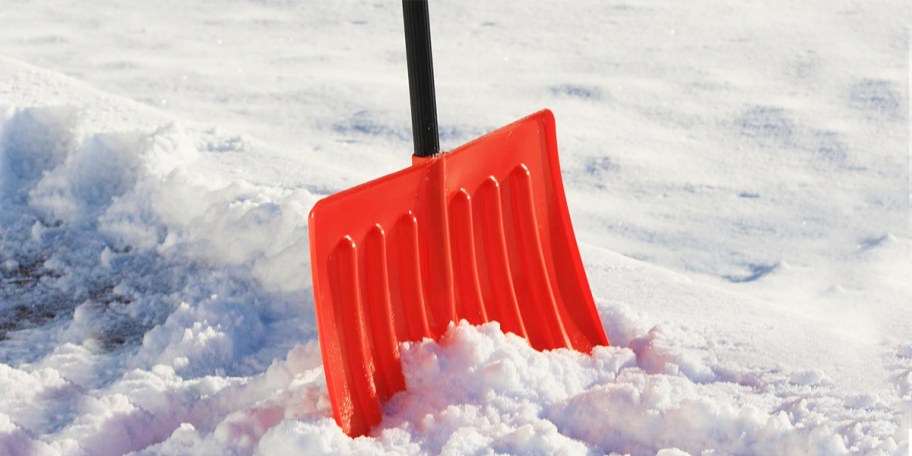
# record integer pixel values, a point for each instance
(503, 397)
(140, 294)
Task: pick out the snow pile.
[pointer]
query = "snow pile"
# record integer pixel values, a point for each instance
(117, 323)
(99, 224)
(504, 397)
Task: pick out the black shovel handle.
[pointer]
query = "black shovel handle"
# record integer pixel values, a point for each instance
(421, 77)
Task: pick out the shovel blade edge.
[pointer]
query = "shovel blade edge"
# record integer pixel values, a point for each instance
(481, 233)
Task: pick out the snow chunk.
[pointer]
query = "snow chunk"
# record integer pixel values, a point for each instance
(15, 440)
(105, 167)
(32, 142)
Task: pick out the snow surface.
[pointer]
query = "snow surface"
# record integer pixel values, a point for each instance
(738, 176)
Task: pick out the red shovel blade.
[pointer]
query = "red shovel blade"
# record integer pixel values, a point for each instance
(481, 233)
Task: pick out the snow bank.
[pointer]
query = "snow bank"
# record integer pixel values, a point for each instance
(479, 391)
(141, 296)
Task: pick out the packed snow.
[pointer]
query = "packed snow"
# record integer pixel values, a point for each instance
(738, 176)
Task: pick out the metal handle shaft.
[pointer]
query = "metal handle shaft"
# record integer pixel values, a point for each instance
(421, 77)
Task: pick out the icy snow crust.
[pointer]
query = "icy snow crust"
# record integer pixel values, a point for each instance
(739, 186)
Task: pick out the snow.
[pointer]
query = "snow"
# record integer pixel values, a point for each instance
(738, 176)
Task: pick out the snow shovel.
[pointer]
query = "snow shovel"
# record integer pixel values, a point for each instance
(481, 233)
